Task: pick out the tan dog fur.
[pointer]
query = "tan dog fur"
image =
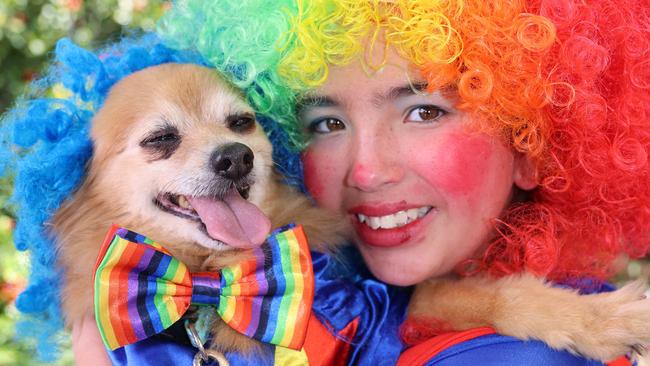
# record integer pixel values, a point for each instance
(123, 179)
(601, 326)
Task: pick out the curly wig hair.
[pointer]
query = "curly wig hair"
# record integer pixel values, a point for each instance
(566, 82)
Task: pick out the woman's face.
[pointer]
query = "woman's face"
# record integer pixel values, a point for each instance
(419, 188)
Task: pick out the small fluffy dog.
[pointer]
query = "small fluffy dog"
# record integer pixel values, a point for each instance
(179, 157)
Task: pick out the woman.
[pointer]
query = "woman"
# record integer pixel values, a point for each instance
(563, 90)
(458, 136)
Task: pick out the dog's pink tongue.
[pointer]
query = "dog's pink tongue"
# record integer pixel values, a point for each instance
(234, 220)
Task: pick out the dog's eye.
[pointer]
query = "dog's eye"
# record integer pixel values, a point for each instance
(162, 139)
(164, 135)
(241, 123)
(162, 143)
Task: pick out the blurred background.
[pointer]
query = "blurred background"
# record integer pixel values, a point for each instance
(28, 32)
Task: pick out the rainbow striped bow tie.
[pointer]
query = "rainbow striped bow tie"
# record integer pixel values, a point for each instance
(140, 289)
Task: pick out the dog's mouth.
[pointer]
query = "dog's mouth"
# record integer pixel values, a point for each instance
(179, 204)
(230, 219)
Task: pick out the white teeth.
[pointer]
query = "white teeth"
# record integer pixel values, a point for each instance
(397, 219)
(373, 222)
(412, 213)
(387, 222)
(401, 218)
(184, 203)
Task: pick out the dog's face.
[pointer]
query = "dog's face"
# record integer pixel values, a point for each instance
(178, 151)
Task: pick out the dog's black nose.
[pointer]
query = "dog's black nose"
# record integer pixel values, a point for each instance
(232, 161)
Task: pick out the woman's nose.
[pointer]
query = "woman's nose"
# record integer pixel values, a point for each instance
(375, 162)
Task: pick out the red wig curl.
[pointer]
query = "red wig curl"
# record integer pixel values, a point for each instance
(593, 140)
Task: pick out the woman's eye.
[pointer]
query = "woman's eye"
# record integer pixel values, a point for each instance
(326, 125)
(425, 113)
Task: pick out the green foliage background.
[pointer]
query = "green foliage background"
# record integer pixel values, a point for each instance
(29, 30)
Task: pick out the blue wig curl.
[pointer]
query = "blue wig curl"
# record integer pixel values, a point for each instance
(45, 146)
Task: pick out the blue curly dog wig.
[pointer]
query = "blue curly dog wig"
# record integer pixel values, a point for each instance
(46, 146)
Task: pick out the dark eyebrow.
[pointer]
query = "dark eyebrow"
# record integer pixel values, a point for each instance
(309, 101)
(398, 92)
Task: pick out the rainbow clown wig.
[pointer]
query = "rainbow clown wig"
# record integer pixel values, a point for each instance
(45, 146)
(566, 82)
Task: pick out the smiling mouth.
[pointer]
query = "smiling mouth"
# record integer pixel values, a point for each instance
(395, 220)
(179, 205)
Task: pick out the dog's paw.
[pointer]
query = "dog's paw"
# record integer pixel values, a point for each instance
(619, 324)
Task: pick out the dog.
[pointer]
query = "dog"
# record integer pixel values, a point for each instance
(179, 157)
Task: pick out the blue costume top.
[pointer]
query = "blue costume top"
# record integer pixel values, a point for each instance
(491, 350)
(482, 346)
(359, 320)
